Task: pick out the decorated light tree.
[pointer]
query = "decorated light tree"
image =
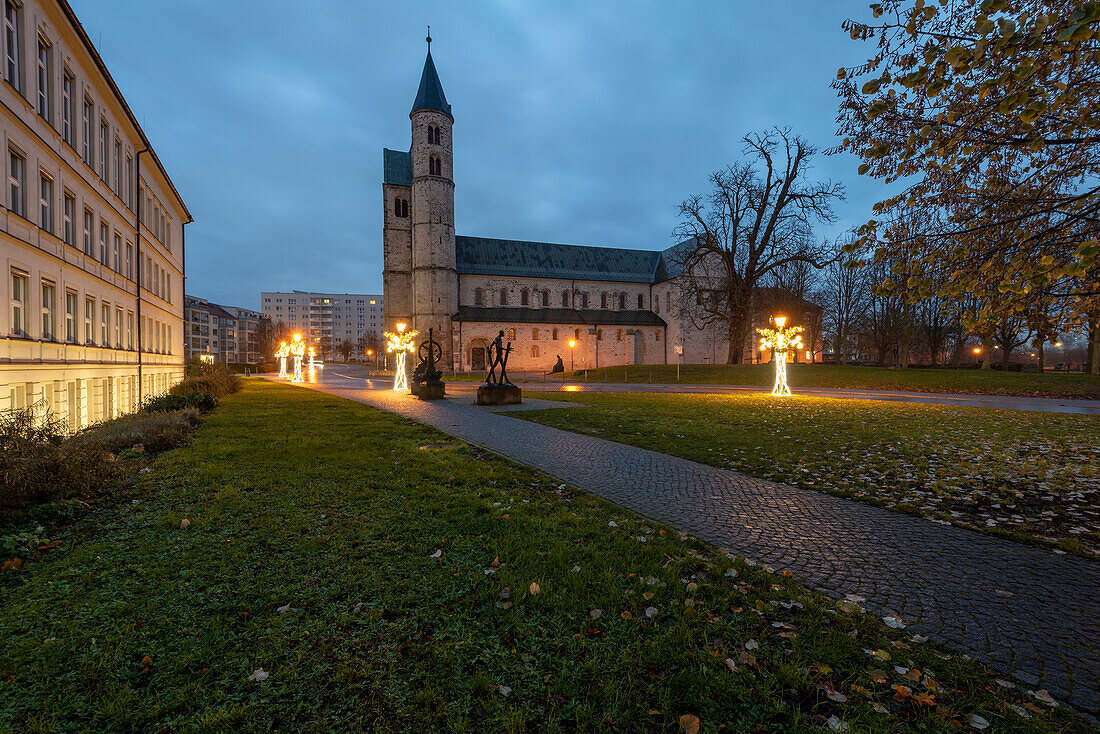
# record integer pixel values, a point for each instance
(282, 353)
(297, 349)
(400, 343)
(780, 341)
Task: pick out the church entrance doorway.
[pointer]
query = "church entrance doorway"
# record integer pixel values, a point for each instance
(477, 358)
(639, 347)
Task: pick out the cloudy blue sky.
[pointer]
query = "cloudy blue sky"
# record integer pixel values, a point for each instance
(578, 122)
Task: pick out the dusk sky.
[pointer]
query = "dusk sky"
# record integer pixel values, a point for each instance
(575, 122)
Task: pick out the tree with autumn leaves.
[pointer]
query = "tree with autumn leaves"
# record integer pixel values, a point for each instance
(988, 114)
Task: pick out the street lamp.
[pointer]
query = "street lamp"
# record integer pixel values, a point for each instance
(572, 344)
(779, 341)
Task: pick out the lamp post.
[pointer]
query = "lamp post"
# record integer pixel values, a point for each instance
(572, 344)
(400, 343)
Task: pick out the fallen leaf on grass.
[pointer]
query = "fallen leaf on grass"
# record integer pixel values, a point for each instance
(259, 675)
(283, 609)
(751, 644)
(13, 564)
(147, 661)
(504, 690)
(836, 724)
(1044, 696)
(595, 613)
(185, 523)
(731, 665)
(893, 621)
(978, 722)
(689, 724)
(437, 554)
(533, 588)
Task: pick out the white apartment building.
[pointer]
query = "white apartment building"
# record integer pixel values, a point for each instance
(326, 319)
(91, 230)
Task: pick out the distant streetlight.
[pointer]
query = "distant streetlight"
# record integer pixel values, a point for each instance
(977, 350)
(572, 344)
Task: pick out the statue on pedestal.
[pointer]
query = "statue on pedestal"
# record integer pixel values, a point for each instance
(499, 390)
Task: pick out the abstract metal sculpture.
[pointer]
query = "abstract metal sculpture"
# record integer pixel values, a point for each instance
(498, 389)
(426, 383)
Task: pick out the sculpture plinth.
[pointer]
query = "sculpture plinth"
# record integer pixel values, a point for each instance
(499, 390)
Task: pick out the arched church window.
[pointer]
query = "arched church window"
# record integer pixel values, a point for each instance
(535, 334)
(546, 297)
(433, 134)
(641, 301)
(503, 296)
(584, 299)
(555, 334)
(511, 334)
(435, 166)
(479, 297)
(400, 207)
(565, 299)
(577, 334)
(603, 300)
(622, 301)
(534, 351)
(524, 298)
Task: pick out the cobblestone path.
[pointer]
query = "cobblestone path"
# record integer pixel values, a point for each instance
(1025, 611)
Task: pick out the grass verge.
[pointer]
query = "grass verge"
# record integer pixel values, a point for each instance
(980, 382)
(310, 564)
(1026, 475)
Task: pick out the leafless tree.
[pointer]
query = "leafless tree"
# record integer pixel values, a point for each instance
(845, 291)
(759, 216)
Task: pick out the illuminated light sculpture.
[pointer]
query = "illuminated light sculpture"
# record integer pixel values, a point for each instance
(401, 343)
(297, 350)
(780, 340)
(282, 353)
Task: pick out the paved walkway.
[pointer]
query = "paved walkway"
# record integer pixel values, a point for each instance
(1024, 610)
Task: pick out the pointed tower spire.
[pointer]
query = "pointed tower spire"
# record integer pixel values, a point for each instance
(430, 95)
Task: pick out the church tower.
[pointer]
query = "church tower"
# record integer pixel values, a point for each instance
(434, 277)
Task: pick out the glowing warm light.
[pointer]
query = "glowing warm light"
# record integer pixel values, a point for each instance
(297, 349)
(1057, 344)
(977, 350)
(206, 358)
(401, 342)
(572, 343)
(282, 353)
(780, 340)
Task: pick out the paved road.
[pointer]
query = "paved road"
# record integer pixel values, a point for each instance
(1024, 610)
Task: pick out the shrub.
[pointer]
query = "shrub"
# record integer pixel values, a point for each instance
(38, 464)
(154, 431)
(215, 379)
(203, 401)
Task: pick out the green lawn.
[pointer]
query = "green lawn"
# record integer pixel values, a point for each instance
(1025, 474)
(379, 576)
(986, 382)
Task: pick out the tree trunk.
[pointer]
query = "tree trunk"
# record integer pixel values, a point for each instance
(841, 357)
(1093, 365)
(987, 352)
(738, 334)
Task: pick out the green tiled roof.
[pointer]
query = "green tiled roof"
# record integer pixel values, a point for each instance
(521, 315)
(485, 256)
(397, 167)
(430, 94)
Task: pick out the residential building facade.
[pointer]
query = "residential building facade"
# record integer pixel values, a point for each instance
(91, 230)
(326, 320)
(229, 334)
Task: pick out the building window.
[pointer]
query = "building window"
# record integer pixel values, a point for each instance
(129, 196)
(118, 168)
(48, 294)
(511, 334)
(619, 335)
(577, 334)
(89, 321)
(117, 253)
(603, 300)
(70, 317)
(16, 169)
(433, 134)
(400, 207)
(118, 328)
(68, 211)
(584, 300)
(45, 78)
(524, 298)
(89, 218)
(657, 337)
(535, 334)
(622, 301)
(12, 51)
(18, 303)
(104, 238)
(129, 261)
(86, 146)
(641, 301)
(129, 329)
(565, 299)
(104, 161)
(534, 350)
(435, 166)
(503, 296)
(599, 335)
(45, 201)
(479, 297)
(555, 334)
(67, 107)
(105, 325)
